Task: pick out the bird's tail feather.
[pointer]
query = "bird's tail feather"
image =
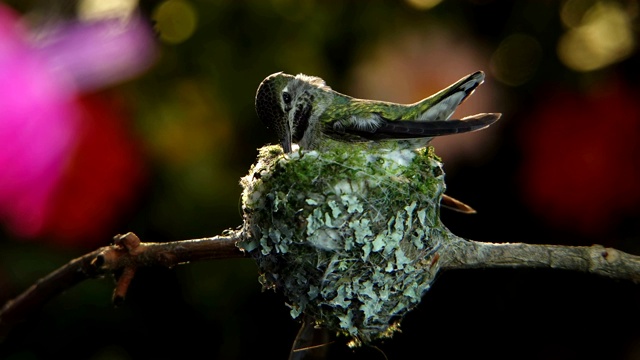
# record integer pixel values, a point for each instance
(441, 105)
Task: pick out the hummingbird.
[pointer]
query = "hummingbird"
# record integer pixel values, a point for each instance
(338, 210)
(303, 109)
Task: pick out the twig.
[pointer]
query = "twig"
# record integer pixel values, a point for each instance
(125, 256)
(310, 342)
(595, 259)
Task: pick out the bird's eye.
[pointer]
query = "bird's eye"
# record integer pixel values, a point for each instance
(286, 97)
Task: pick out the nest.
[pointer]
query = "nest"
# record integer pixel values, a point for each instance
(351, 235)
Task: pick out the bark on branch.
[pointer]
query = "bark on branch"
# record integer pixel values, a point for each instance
(595, 259)
(128, 254)
(123, 257)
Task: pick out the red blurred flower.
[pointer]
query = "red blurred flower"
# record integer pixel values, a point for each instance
(580, 169)
(103, 176)
(49, 138)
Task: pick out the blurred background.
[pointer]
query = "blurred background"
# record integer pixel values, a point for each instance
(124, 115)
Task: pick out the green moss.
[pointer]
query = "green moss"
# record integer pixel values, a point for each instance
(349, 235)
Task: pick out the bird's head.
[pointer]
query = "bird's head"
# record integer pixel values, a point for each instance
(289, 105)
(273, 104)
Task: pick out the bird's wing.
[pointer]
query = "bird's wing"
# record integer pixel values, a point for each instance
(347, 118)
(382, 128)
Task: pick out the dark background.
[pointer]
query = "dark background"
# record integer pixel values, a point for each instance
(560, 167)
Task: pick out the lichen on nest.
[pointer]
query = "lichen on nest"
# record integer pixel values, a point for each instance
(351, 235)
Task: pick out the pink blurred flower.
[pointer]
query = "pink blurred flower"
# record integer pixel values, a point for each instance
(94, 54)
(40, 119)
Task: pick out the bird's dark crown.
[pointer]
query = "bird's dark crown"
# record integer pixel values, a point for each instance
(268, 100)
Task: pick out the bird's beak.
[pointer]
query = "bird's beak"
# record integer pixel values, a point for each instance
(286, 141)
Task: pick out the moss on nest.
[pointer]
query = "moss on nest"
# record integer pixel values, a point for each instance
(349, 235)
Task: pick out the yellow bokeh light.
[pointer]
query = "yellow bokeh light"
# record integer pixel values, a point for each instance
(603, 36)
(100, 9)
(176, 20)
(516, 59)
(573, 11)
(423, 4)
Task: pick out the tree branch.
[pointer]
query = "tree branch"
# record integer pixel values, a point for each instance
(595, 259)
(125, 256)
